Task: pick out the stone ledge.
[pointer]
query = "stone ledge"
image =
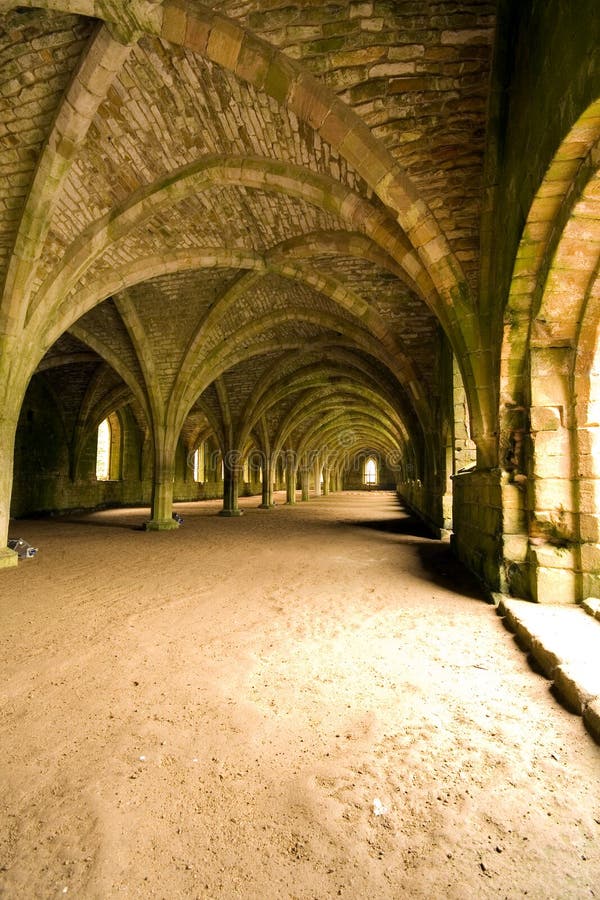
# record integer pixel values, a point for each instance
(592, 607)
(591, 717)
(565, 644)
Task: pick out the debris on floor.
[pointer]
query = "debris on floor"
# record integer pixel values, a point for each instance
(22, 548)
(378, 808)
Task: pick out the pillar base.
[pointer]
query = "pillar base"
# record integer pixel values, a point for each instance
(266, 506)
(228, 513)
(8, 558)
(161, 525)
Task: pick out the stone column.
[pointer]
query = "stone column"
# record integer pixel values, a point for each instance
(162, 483)
(290, 479)
(336, 480)
(332, 481)
(7, 448)
(325, 481)
(232, 470)
(304, 476)
(11, 398)
(267, 484)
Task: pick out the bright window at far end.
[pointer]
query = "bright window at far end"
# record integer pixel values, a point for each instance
(370, 471)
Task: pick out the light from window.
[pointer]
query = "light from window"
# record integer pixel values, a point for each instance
(103, 451)
(370, 471)
(198, 459)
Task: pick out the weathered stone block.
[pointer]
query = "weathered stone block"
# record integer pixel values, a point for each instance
(591, 717)
(555, 585)
(546, 657)
(516, 547)
(224, 43)
(589, 528)
(337, 124)
(514, 520)
(374, 24)
(358, 148)
(552, 494)
(175, 21)
(550, 362)
(589, 496)
(590, 585)
(468, 36)
(197, 32)
(590, 557)
(279, 78)
(549, 464)
(391, 69)
(548, 555)
(361, 10)
(546, 418)
(578, 684)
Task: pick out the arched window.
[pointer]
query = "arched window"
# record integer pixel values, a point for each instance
(370, 474)
(103, 451)
(199, 467)
(108, 450)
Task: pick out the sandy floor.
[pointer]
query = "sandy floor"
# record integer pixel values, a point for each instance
(214, 712)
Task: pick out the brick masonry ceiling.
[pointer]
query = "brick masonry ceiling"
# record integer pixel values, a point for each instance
(194, 191)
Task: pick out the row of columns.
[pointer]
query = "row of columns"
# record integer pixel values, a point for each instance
(164, 477)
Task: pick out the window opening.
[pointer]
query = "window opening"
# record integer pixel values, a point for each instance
(103, 451)
(370, 471)
(199, 469)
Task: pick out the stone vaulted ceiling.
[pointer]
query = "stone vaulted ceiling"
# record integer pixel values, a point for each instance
(281, 199)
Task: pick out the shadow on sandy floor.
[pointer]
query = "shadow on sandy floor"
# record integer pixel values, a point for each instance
(445, 570)
(84, 519)
(409, 526)
(436, 558)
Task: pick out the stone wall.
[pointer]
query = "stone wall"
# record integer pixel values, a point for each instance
(424, 503)
(43, 481)
(477, 514)
(43, 462)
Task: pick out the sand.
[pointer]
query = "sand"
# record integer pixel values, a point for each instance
(221, 711)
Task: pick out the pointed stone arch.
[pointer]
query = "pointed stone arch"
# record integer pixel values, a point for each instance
(550, 340)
